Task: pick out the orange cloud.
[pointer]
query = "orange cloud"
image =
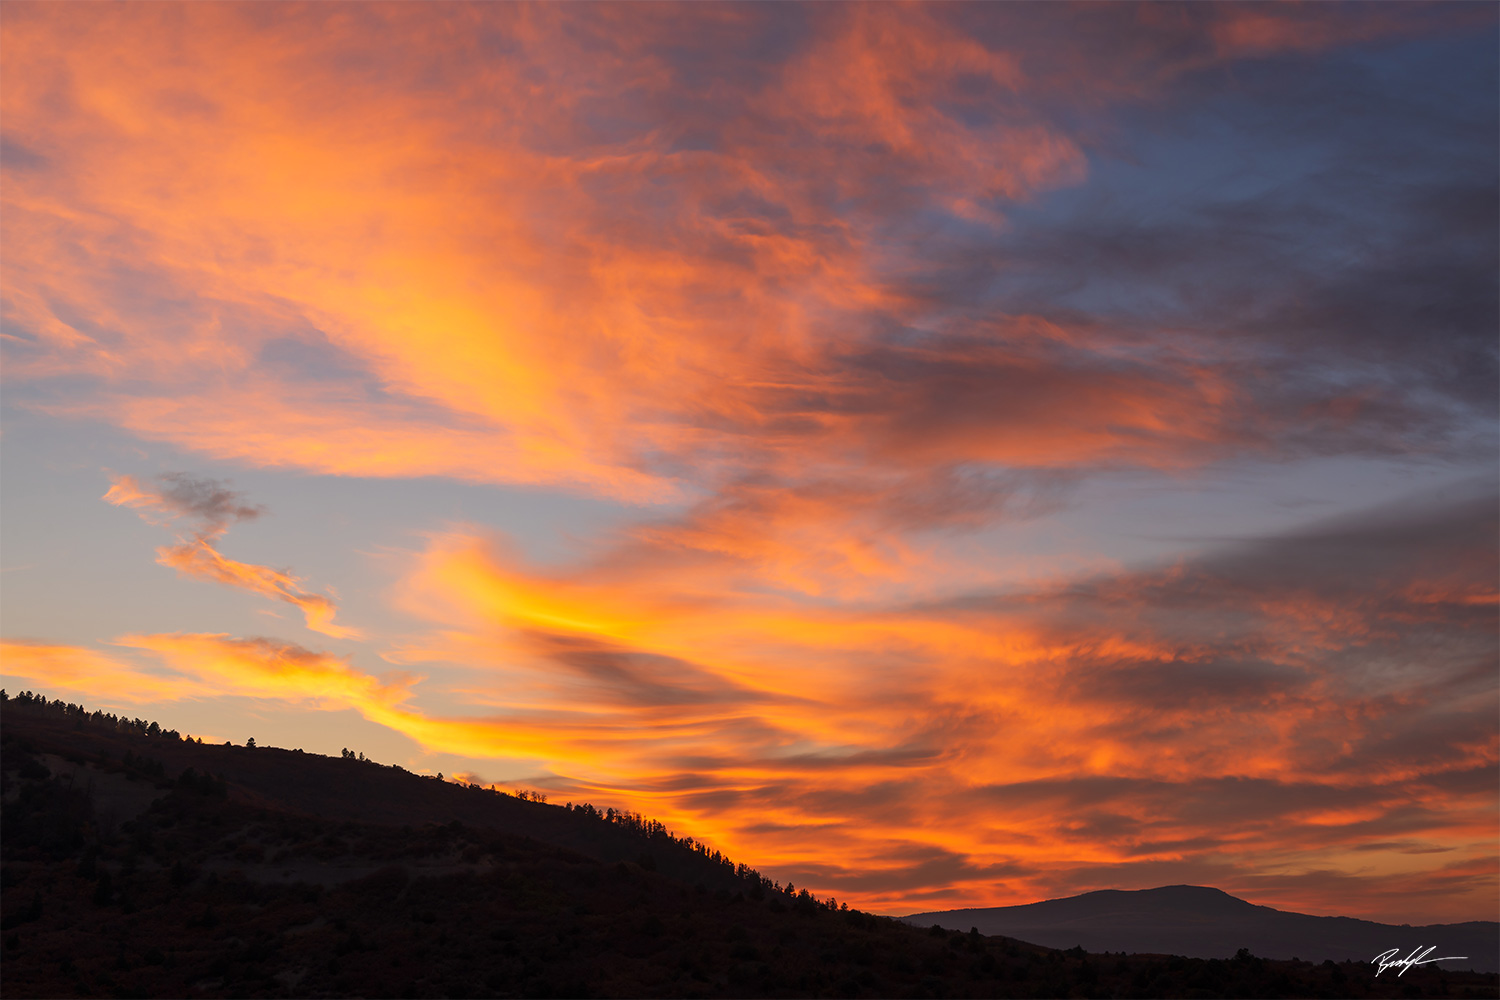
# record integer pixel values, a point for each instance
(201, 560)
(213, 665)
(1221, 717)
(90, 673)
(616, 311)
(200, 666)
(268, 668)
(1255, 29)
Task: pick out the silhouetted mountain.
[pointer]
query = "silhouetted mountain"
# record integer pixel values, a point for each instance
(138, 864)
(1202, 922)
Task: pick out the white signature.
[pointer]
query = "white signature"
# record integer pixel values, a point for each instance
(1418, 956)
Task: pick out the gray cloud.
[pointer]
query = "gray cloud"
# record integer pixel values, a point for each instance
(209, 501)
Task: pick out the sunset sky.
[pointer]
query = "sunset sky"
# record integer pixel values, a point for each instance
(938, 455)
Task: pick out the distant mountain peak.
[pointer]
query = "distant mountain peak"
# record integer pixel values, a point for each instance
(1190, 894)
(1189, 890)
(1175, 892)
(1205, 922)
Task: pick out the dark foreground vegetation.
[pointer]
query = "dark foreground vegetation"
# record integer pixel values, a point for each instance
(138, 864)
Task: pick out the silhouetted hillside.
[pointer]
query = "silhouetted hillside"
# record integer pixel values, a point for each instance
(1202, 922)
(351, 788)
(136, 864)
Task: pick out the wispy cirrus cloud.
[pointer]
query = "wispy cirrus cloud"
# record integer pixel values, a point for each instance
(671, 286)
(207, 509)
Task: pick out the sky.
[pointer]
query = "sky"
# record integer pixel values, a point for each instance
(939, 455)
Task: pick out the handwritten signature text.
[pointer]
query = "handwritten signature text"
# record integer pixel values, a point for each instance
(1418, 956)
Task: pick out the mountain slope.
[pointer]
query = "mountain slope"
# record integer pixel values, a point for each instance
(1202, 922)
(363, 791)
